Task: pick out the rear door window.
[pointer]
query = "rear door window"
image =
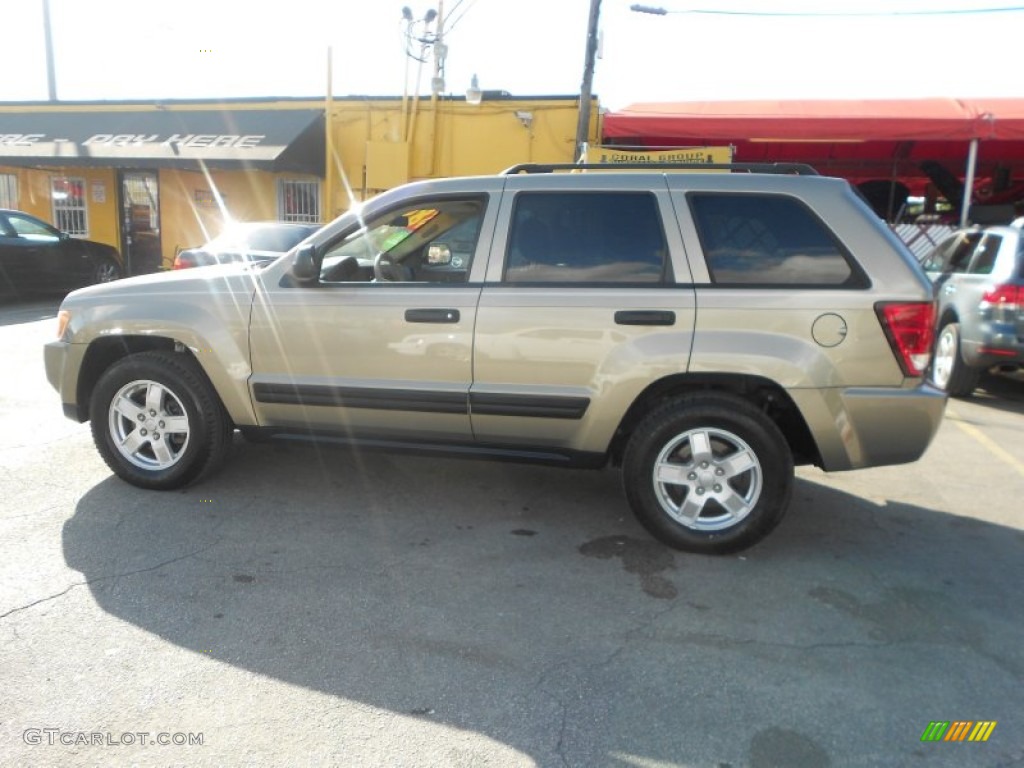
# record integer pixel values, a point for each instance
(768, 239)
(586, 237)
(984, 259)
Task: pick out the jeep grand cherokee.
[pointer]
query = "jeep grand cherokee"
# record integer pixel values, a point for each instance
(704, 331)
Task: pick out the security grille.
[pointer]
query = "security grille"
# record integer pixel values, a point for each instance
(139, 191)
(8, 190)
(299, 201)
(69, 213)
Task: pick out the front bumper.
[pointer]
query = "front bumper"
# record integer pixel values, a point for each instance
(63, 362)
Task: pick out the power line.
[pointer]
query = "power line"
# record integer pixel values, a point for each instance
(657, 11)
(455, 21)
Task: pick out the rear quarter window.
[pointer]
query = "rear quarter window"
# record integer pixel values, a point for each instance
(769, 240)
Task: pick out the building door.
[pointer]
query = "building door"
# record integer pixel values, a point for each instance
(140, 222)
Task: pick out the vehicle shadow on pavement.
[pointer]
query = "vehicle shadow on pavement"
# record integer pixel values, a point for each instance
(1002, 391)
(525, 605)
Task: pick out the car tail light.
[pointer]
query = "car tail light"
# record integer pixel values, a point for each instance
(1004, 297)
(184, 261)
(910, 328)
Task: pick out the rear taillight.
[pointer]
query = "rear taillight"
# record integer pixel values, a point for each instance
(184, 261)
(1004, 297)
(910, 328)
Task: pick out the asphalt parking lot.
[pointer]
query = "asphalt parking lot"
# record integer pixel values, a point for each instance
(311, 606)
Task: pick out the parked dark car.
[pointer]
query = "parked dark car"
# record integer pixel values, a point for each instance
(257, 241)
(36, 257)
(979, 278)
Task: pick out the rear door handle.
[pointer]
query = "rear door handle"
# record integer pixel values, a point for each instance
(645, 317)
(431, 315)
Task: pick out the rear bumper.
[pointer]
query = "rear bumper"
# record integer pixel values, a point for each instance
(1000, 345)
(863, 427)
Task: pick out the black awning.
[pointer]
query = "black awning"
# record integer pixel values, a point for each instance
(265, 139)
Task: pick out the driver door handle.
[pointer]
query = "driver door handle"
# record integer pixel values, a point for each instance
(431, 315)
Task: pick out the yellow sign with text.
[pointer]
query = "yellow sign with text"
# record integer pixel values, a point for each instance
(614, 155)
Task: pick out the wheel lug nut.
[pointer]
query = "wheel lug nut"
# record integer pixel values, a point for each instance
(142, 432)
(700, 491)
(156, 435)
(718, 489)
(718, 471)
(692, 476)
(152, 412)
(142, 417)
(161, 425)
(703, 465)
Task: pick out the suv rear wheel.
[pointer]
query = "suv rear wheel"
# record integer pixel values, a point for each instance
(950, 372)
(156, 421)
(708, 473)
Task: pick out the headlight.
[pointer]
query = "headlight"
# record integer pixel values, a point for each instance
(63, 318)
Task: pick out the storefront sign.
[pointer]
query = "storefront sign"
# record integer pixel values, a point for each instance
(180, 140)
(204, 198)
(612, 155)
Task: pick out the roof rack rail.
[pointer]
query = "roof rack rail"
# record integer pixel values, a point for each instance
(800, 169)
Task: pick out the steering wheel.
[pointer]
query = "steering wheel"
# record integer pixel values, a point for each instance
(387, 271)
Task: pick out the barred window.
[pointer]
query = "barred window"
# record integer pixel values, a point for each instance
(8, 190)
(298, 201)
(69, 212)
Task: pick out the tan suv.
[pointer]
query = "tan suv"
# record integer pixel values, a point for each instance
(705, 331)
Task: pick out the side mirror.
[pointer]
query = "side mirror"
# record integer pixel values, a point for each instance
(304, 267)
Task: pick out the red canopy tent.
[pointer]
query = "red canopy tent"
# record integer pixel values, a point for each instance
(855, 139)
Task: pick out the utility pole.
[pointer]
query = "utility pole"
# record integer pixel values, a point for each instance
(583, 127)
(51, 75)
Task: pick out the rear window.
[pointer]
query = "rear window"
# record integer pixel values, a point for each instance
(764, 239)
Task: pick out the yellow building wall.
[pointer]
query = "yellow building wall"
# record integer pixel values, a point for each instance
(34, 197)
(191, 212)
(375, 146)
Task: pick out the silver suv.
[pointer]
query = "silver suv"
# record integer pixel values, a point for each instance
(704, 331)
(979, 279)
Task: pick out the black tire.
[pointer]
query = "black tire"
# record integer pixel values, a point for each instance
(949, 371)
(736, 433)
(181, 397)
(106, 270)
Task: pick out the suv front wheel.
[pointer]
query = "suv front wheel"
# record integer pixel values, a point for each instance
(708, 473)
(157, 422)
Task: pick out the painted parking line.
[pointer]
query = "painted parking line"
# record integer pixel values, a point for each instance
(994, 448)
